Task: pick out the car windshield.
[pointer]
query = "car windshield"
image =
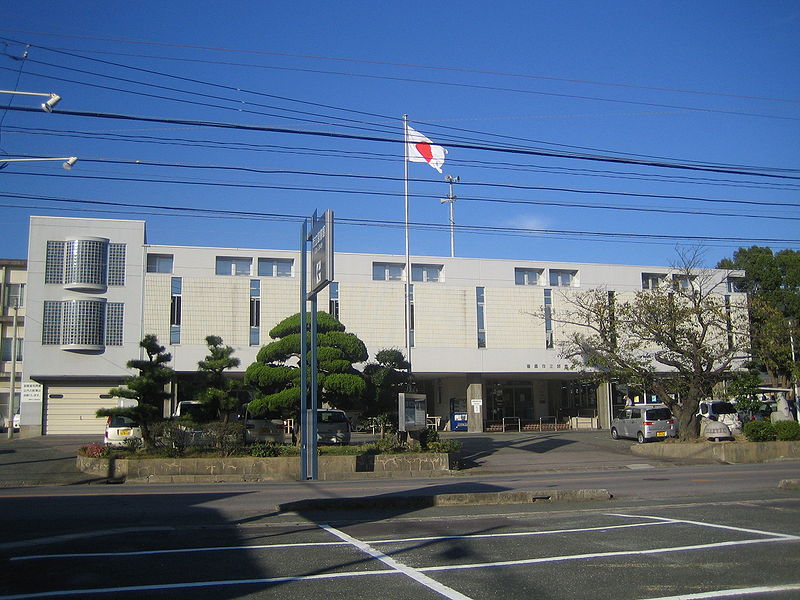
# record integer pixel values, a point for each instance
(658, 414)
(120, 421)
(330, 416)
(724, 408)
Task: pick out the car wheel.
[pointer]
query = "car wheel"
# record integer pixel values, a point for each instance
(614, 434)
(640, 437)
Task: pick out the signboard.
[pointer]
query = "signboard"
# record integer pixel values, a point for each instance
(321, 251)
(412, 409)
(477, 403)
(31, 391)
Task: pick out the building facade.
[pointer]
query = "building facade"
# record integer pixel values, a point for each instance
(13, 277)
(483, 345)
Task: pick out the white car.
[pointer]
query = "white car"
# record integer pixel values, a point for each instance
(119, 429)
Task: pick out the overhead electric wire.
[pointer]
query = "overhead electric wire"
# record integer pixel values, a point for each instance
(522, 91)
(418, 225)
(385, 117)
(354, 192)
(337, 135)
(113, 135)
(388, 63)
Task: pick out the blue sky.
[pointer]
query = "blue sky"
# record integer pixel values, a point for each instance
(678, 83)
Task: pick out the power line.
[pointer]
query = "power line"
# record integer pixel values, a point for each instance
(336, 135)
(188, 211)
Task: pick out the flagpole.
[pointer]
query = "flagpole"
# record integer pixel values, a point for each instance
(408, 255)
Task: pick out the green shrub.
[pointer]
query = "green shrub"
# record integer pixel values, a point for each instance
(759, 431)
(260, 450)
(448, 446)
(787, 431)
(427, 437)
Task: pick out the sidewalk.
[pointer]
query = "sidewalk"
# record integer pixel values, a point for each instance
(43, 460)
(50, 460)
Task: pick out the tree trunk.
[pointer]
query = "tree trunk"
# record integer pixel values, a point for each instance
(688, 425)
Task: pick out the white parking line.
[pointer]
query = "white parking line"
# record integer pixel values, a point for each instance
(705, 524)
(311, 544)
(734, 593)
(414, 574)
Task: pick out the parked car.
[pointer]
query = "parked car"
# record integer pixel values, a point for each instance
(119, 430)
(267, 428)
(333, 427)
(724, 412)
(644, 422)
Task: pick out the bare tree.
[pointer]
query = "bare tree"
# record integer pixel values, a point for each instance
(679, 339)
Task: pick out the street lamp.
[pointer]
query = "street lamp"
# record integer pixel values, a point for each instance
(47, 106)
(69, 161)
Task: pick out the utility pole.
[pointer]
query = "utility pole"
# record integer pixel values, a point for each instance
(13, 379)
(451, 200)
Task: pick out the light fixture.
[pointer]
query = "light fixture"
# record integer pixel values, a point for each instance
(69, 162)
(51, 102)
(47, 106)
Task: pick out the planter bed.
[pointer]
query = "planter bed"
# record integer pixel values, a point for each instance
(725, 452)
(240, 469)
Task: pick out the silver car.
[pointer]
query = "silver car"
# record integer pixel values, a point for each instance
(644, 422)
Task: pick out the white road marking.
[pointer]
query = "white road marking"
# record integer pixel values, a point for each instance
(734, 593)
(713, 525)
(414, 574)
(548, 559)
(307, 544)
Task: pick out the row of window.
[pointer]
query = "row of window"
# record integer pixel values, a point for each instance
(390, 271)
(91, 323)
(85, 262)
(652, 281)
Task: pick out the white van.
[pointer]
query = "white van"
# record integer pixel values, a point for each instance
(723, 412)
(333, 427)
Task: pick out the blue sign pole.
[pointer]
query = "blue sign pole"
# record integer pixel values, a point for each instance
(303, 355)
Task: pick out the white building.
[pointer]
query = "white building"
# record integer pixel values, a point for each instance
(480, 344)
(12, 324)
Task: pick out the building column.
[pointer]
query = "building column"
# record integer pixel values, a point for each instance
(475, 404)
(604, 408)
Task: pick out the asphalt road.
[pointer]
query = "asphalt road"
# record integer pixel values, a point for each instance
(667, 533)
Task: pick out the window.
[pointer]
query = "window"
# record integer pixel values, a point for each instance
(114, 320)
(275, 267)
(6, 349)
(231, 265)
(255, 312)
(652, 281)
(54, 262)
(427, 273)
(735, 285)
(411, 314)
(561, 278)
(527, 276)
(14, 295)
(86, 262)
(683, 282)
(548, 318)
(82, 323)
(480, 298)
(175, 310)
(116, 264)
(79, 263)
(387, 271)
(159, 263)
(333, 303)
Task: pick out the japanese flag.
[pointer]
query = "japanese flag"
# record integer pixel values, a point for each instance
(421, 149)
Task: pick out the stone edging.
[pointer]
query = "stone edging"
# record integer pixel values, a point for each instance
(284, 468)
(724, 452)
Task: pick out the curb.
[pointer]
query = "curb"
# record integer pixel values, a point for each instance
(789, 484)
(469, 499)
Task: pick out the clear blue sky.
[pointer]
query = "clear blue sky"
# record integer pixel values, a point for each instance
(681, 83)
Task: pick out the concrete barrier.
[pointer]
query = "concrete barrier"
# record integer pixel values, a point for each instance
(285, 468)
(465, 499)
(736, 452)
